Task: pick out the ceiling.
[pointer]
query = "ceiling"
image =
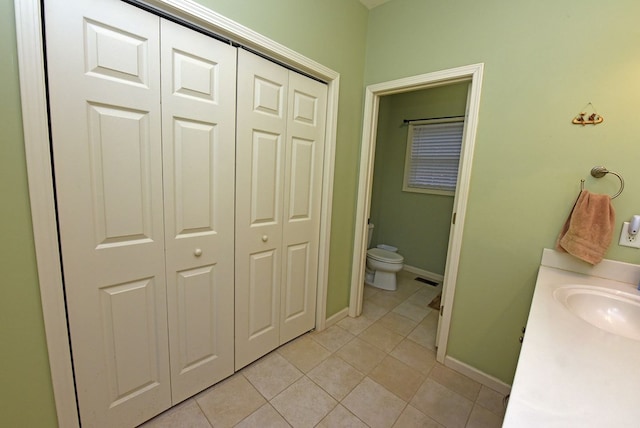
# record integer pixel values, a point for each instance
(370, 4)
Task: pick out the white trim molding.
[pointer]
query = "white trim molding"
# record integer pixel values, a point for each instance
(424, 273)
(475, 374)
(471, 73)
(205, 18)
(41, 189)
(43, 212)
(335, 318)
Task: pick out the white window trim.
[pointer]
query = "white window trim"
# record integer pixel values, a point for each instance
(407, 159)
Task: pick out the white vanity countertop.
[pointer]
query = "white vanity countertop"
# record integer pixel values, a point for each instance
(570, 373)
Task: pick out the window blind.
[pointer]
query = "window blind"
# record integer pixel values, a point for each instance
(434, 154)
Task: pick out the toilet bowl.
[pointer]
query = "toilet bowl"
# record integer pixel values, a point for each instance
(384, 264)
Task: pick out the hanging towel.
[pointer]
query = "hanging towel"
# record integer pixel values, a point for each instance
(588, 230)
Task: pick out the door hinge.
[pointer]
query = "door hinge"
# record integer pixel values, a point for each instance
(454, 218)
(441, 310)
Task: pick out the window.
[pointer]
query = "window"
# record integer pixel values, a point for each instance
(433, 154)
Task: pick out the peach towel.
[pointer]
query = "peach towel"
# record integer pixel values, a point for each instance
(588, 230)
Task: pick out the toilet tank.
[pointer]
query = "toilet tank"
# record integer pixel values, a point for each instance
(370, 227)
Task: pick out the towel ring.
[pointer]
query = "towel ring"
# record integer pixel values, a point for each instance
(599, 172)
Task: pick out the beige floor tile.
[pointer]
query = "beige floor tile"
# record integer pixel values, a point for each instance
(369, 291)
(414, 418)
(483, 418)
(271, 375)
(381, 337)
(414, 355)
(336, 377)
(406, 282)
(406, 274)
(397, 377)
(386, 301)
(221, 405)
(355, 325)
(397, 323)
(304, 403)
(426, 294)
(455, 381)
(402, 293)
(185, 415)
(442, 404)
(361, 355)
(304, 353)
(422, 299)
(333, 338)
(425, 333)
(412, 310)
(491, 400)
(265, 416)
(372, 311)
(374, 404)
(408, 373)
(340, 417)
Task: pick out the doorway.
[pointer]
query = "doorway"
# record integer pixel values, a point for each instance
(373, 93)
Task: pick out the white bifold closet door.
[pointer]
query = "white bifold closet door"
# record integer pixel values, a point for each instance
(198, 134)
(279, 156)
(142, 120)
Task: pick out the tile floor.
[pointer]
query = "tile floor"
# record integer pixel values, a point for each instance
(377, 370)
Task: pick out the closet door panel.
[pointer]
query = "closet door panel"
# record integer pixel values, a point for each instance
(263, 294)
(296, 286)
(130, 336)
(105, 128)
(196, 300)
(262, 106)
(193, 177)
(265, 198)
(120, 151)
(307, 103)
(198, 108)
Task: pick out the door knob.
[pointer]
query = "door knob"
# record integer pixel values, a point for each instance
(197, 252)
(265, 238)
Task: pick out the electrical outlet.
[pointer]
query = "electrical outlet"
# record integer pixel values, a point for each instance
(627, 240)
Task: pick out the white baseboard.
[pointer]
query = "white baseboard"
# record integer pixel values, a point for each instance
(477, 375)
(424, 273)
(336, 317)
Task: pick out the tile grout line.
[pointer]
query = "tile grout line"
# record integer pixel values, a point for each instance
(377, 313)
(428, 375)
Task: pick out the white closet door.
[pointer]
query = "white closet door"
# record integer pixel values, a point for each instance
(198, 119)
(302, 196)
(260, 139)
(105, 113)
(280, 144)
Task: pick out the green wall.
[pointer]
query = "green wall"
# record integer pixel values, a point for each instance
(544, 61)
(331, 32)
(416, 223)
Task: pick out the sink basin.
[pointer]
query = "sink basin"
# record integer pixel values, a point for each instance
(613, 311)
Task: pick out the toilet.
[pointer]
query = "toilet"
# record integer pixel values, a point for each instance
(382, 264)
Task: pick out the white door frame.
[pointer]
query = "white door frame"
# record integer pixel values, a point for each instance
(41, 190)
(471, 73)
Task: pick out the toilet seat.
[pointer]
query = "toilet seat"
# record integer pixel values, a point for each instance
(384, 256)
